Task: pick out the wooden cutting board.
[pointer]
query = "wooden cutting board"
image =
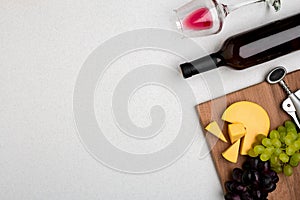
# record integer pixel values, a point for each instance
(270, 97)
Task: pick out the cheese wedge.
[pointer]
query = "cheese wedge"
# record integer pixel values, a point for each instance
(214, 128)
(231, 154)
(236, 131)
(255, 119)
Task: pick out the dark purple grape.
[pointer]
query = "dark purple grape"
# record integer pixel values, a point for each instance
(264, 166)
(235, 187)
(265, 180)
(270, 173)
(246, 165)
(270, 188)
(232, 196)
(254, 162)
(264, 194)
(275, 179)
(257, 194)
(253, 182)
(246, 177)
(250, 176)
(237, 174)
(246, 196)
(240, 188)
(229, 185)
(255, 185)
(255, 176)
(274, 176)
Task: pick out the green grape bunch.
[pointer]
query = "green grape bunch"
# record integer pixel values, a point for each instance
(281, 148)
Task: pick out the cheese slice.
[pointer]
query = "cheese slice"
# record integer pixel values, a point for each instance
(231, 154)
(214, 128)
(236, 131)
(255, 119)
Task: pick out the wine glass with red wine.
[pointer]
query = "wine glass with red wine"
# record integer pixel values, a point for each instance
(205, 17)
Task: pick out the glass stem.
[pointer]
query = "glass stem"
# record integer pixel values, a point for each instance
(229, 8)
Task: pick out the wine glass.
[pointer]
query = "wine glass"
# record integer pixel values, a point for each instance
(205, 17)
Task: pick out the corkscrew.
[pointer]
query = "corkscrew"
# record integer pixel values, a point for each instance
(292, 104)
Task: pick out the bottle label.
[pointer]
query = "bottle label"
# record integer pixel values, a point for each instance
(269, 42)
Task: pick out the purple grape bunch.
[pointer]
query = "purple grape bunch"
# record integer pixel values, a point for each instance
(253, 182)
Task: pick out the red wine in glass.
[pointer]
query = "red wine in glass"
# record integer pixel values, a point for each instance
(205, 17)
(200, 19)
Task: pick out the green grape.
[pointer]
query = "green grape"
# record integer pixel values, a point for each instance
(274, 160)
(260, 137)
(281, 129)
(264, 157)
(281, 148)
(277, 169)
(293, 134)
(267, 142)
(290, 150)
(289, 123)
(254, 144)
(269, 150)
(288, 140)
(284, 158)
(297, 144)
(274, 134)
(276, 142)
(293, 163)
(259, 149)
(296, 157)
(288, 170)
(277, 151)
(291, 129)
(282, 136)
(252, 153)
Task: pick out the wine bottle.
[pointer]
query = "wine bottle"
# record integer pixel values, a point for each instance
(251, 47)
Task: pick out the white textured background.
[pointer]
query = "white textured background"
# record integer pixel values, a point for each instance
(42, 47)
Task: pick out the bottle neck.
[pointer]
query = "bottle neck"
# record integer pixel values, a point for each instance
(200, 65)
(218, 58)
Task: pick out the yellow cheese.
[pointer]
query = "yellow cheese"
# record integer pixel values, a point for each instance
(231, 154)
(253, 117)
(236, 131)
(214, 128)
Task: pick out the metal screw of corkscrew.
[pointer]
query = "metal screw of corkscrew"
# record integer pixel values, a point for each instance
(276, 76)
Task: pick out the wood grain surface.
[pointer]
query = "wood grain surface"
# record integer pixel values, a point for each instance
(270, 97)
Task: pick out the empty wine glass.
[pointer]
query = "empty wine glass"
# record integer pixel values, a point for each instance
(205, 17)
